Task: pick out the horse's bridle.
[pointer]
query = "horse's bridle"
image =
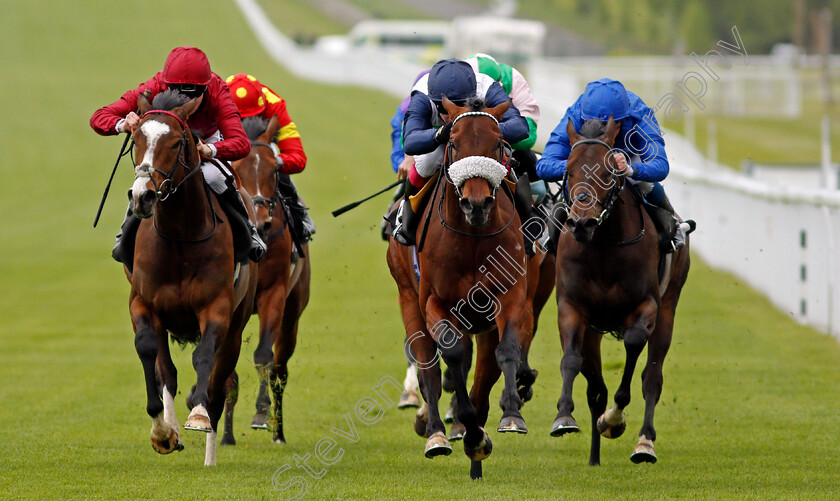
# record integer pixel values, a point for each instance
(268, 203)
(166, 188)
(505, 156)
(612, 195)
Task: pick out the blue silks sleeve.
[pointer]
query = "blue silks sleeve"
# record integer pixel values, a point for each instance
(397, 153)
(418, 133)
(645, 140)
(552, 165)
(513, 126)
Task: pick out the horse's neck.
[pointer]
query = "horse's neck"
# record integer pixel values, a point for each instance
(186, 214)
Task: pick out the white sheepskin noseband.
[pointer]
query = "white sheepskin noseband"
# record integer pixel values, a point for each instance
(477, 166)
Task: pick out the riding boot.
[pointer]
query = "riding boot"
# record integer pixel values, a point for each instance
(406, 227)
(383, 226)
(303, 223)
(123, 250)
(233, 200)
(672, 226)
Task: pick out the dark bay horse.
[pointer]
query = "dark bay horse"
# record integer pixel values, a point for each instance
(607, 281)
(474, 279)
(184, 281)
(283, 287)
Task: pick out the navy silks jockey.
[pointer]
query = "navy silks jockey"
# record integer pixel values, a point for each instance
(639, 137)
(187, 71)
(426, 126)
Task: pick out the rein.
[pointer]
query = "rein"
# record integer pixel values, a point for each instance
(504, 159)
(166, 189)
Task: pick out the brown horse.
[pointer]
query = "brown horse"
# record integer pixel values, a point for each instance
(607, 281)
(474, 278)
(283, 287)
(184, 281)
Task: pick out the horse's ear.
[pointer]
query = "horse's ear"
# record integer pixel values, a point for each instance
(186, 110)
(273, 127)
(571, 132)
(612, 131)
(500, 110)
(452, 109)
(143, 104)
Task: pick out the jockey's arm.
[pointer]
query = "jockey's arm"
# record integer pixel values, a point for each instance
(105, 120)
(520, 95)
(552, 165)
(418, 133)
(645, 141)
(397, 152)
(292, 158)
(514, 128)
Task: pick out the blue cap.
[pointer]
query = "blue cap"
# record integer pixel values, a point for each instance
(603, 98)
(452, 78)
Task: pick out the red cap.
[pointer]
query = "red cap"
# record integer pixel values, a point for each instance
(186, 65)
(246, 92)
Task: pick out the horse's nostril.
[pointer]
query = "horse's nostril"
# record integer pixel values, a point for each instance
(148, 197)
(267, 227)
(130, 195)
(488, 203)
(590, 224)
(466, 206)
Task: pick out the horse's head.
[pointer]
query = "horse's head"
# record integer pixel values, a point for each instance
(163, 144)
(475, 155)
(258, 170)
(592, 183)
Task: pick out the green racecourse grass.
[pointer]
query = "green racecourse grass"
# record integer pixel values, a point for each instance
(749, 399)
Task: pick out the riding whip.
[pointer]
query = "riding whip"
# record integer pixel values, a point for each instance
(347, 207)
(108, 187)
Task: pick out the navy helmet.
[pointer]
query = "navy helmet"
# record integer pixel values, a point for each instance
(603, 98)
(452, 78)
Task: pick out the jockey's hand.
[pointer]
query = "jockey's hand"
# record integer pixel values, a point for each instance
(442, 134)
(203, 150)
(405, 167)
(130, 123)
(622, 167)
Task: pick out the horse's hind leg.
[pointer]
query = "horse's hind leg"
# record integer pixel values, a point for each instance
(263, 358)
(231, 396)
(284, 347)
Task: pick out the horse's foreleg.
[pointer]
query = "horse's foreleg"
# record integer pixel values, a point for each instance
(612, 423)
(487, 372)
(477, 444)
(168, 379)
(658, 345)
(231, 397)
(411, 385)
(572, 325)
(284, 347)
(596, 390)
(508, 358)
(203, 362)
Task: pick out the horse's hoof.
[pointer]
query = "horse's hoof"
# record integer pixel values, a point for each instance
(198, 422)
(437, 445)
(611, 431)
(563, 425)
(279, 440)
(512, 424)
(643, 453)
(481, 451)
(408, 399)
(169, 444)
(449, 417)
(260, 422)
(457, 432)
(227, 440)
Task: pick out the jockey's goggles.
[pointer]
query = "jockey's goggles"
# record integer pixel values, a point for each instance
(192, 91)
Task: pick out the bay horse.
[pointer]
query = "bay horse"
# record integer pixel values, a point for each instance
(608, 257)
(184, 281)
(283, 286)
(472, 280)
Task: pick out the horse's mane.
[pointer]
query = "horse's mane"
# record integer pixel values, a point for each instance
(593, 129)
(254, 127)
(475, 103)
(169, 99)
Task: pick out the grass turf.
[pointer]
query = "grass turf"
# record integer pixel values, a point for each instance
(748, 395)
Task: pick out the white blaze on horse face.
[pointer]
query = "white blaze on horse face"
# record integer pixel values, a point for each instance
(153, 131)
(257, 171)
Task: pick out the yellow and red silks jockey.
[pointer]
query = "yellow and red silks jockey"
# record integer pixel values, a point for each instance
(256, 99)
